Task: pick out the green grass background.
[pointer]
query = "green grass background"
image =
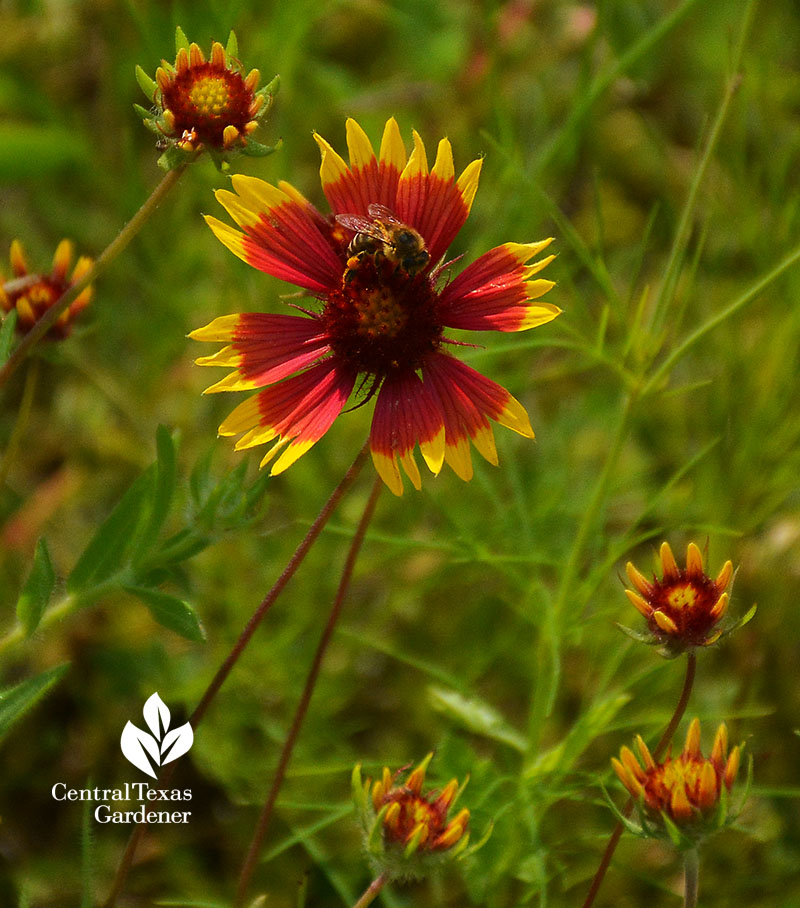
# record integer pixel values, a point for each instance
(481, 620)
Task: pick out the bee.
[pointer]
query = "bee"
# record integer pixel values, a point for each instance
(383, 234)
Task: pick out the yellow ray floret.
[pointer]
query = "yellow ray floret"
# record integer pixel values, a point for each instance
(457, 456)
(418, 162)
(228, 236)
(234, 381)
(242, 418)
(444, 167)
(358, 145)
(228, 356)
(514, 416)
(332, 167)
(220, 329)
(467, 183)
(433, 451)
(256, 195)
(393, 149)
(386, 467)
(538, 314)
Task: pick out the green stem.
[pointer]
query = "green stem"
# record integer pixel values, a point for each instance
(658, 750)
(691, 875)
(543, 699)
(117, 245)
(244, 638)
(672, 269)
(21, 422)
(372, 890)
(72, 602)
(750, 294)
(249, 865)
(604, 80)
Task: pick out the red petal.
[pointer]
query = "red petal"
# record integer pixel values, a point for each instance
(272, 347)
(406, 412)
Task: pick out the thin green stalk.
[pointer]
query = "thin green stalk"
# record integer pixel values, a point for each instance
(238, 648)
(547, 682)
(249, 865)
(21, 421)
(66, 606)
(691, 875)
(739, 303)
(681, 238)
(605, 79)
(116, 246)
(372, 890)
(658, 751)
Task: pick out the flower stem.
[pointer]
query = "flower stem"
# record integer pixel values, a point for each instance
(111, 251)
(244, 638)
(372, 890)
(658, 750)
(21, 422)
(691, 875)
(548, 679)
(251, 859)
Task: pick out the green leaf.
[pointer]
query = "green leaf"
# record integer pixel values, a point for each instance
(232, 47)
(37, 590)
(16, 701)
(477, 716)
(181, 41)
(7, 334)
(147, 85)
(593, 722)
(163, 490)
(107, 552)
(170, 612)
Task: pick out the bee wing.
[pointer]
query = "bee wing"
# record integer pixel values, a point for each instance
(381, 212)
(356, 223)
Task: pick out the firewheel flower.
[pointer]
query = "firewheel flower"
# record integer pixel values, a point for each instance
(201, 104)
(384, 301)
(683, 798)
(409, 832)
(684, 607)
(31, 294)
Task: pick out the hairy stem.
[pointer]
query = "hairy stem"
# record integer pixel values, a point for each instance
(658, 751)
(249, 865)
(691, 875)
(21, 422)
(244, 638)
(111, 251)
(372, 890)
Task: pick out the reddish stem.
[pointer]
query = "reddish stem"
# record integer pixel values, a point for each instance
(658, 751)
(244, 638)
(249, 865)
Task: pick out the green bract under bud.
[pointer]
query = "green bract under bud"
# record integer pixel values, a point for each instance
(204, 104)
(685, 798)
(684, 607)
(408, 833)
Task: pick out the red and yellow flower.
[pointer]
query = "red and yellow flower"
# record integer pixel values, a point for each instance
(687, 794)
(30, 294)
(409, 832)
(379, 327)
(205, 104)
(684, 606)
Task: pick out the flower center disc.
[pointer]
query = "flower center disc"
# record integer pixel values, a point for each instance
(383, 319)
(206, 99)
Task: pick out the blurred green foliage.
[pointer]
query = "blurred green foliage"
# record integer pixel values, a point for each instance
(481, 618)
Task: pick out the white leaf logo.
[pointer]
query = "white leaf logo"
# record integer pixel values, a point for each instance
(162, 746)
